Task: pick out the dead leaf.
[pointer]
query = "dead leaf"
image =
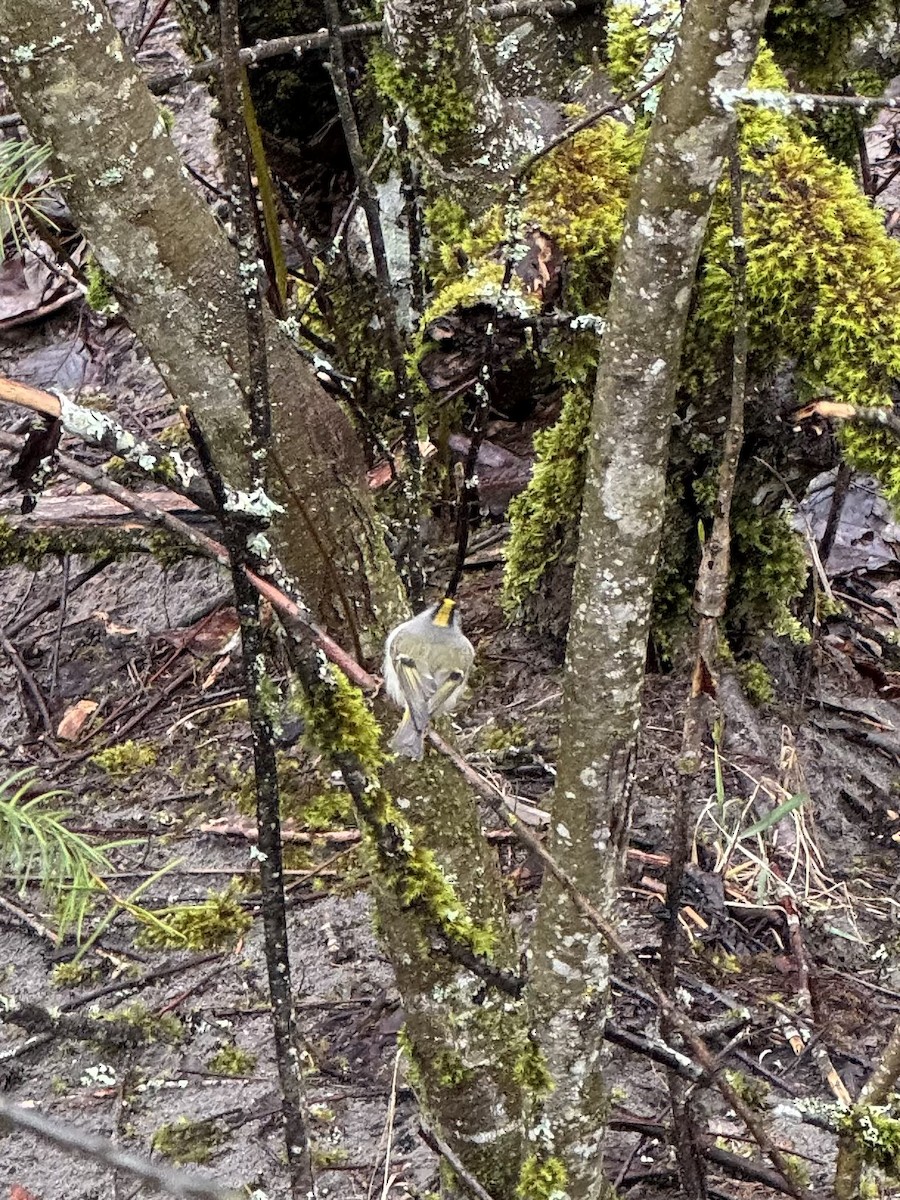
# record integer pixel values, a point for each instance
(74, 720)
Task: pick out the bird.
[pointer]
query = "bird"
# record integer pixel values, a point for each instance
(427, 660)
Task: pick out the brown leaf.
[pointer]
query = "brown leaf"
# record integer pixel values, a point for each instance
(74, 719)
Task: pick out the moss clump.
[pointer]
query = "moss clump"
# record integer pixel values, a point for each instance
(751, 1090)
(74, 974)
(232, 1060)
(125, 759)
(216, 924)
(531, 1070)
(542, 1179)
(774, 570)
(875, 451)
(541, 516)
(27, 549)
(875, 1131)
(627, 43)
(451, 1070)
(99, 294)
(815, 38)
(174, 436)
(339, 721)
(147, 1023)
(186, 1141)
(440, 109)
(324, 1157)
(756, 682)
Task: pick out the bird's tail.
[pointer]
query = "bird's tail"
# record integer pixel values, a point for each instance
(408, 740)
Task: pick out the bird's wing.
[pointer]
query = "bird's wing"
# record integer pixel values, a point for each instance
(449, 685)
(417, 689)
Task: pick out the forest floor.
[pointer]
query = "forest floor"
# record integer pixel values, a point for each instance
(155, 649)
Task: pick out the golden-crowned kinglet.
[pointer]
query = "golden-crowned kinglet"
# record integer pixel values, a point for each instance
(426, 661)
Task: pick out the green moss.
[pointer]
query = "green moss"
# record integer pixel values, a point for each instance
(28, 549)
(823, 281)
(450, 1069)
(339, 721)
(167, 548)
(498, 738)
(531, 1070)
(541, 517)
(174, 436)
(324, 1157)
(753, 1091)
(773, 573)
(816, 38)
(150, 1025)
(756, 682)
(874, 450)
(74, 974)
(125, 759)
(231, 1060)
(99, 294)
(186, 1141)
(542, 1179)
(627, 43)
(875, 1132)
(412, 873)
(441, 110)
(216, 924)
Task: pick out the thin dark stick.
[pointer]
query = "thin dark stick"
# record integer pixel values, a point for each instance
(839, 492)
(237, 532)
(268, 819)
(439, 1146)
(686, 1139)
(60, 623)
(387, 310)
(27, 679)
(78, 1141)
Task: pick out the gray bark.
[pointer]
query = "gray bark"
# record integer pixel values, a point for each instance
(469, 132)
(619, 541)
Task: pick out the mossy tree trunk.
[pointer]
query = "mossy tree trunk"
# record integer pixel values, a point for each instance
(621, 524)
(469, 132)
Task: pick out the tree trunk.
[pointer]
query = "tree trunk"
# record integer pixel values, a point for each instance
(619, 541)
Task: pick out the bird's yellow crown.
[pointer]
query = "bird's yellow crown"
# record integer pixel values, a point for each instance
(444, 613)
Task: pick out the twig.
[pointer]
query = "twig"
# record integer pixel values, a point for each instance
(802, 101)
(439, 1146)
(711, 591)
(391, 1114)
(27, 679)
(88, 1145)
(387, 309)
(302, 43)
(269, 826)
